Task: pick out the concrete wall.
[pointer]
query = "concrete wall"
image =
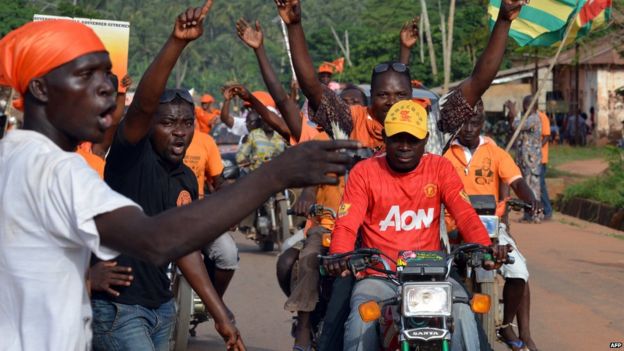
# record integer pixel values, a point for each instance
(609, 106)
(597, 89)
(496, 95)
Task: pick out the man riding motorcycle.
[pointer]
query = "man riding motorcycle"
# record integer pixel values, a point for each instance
(482, 166)
(394, 201)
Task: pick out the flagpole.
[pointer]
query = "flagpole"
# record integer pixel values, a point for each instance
(285, 34)
(541, 87)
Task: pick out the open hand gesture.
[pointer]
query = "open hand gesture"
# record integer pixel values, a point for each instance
(126, 81)
(250, 36)
(289, 11)
(190, 24)
(409, 33)
(510, 9)
(314, 162)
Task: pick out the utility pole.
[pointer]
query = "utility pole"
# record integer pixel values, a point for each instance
(434, 66)
(449, 46)
(577, 105)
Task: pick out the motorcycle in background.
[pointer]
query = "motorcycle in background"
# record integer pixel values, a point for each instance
(272, 222)
(190, 311)
(491, 282)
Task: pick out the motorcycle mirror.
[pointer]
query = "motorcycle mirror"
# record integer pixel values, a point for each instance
(480, 303)
(369, 311)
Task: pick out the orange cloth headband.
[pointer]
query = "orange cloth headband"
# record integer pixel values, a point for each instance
(37, 48)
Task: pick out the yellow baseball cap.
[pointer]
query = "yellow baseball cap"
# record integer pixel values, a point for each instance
(406, 117)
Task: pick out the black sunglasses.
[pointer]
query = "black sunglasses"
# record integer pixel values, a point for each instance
(170, 95)
(397, 67)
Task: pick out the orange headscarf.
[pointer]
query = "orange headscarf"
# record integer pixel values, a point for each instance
(37, 48)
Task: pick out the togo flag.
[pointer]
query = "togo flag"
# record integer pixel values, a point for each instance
(544, 22)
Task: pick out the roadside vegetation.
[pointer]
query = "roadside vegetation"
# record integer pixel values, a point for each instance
(608, 187)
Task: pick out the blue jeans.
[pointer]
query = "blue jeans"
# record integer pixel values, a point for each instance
(363, 336)
(118, 327)
(544, 193)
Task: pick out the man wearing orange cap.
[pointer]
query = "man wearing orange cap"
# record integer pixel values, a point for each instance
(325, 73)
(49, 224)
(206, 116)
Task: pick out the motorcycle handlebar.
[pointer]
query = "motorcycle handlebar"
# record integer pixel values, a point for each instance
(315, 210)
(518, 205)
(359, 260)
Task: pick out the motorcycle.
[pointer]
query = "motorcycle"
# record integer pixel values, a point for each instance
(190, 311)
(419, 316)
(490, 282)
(316, 213)
(272, 223)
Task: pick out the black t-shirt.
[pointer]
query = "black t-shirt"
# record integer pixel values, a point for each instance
(137, 172)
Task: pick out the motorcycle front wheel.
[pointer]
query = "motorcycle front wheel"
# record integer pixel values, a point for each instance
(284, 223)
(266, 245)
(494, 317)
(184, 301)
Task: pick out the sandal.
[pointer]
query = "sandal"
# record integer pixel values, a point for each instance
(516, 345)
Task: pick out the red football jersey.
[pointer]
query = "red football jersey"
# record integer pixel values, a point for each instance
(401, 211)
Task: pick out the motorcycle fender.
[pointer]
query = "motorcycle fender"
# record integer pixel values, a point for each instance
(425, 334)
(483, 276)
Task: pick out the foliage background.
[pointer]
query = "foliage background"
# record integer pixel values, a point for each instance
(219, 57)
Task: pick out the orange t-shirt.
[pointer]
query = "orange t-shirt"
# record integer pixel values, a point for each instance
(205, 119)
(489, 165)
(308, 132)
(94, 161)
(329, 196)
(545, 132)
(203, 157)
(366, 129)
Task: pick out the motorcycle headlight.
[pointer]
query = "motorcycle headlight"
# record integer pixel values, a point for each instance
(427, 299)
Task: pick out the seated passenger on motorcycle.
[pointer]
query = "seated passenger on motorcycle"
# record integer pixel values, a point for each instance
(393, 200)
(482, 166)
(261, 146)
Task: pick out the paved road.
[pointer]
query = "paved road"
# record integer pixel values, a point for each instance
(577, 282)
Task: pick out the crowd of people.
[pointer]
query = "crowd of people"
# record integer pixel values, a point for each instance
(86, 246)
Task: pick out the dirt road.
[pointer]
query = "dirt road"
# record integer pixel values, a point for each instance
(577, 281)
(586, 168)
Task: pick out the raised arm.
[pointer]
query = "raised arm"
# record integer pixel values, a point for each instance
(490, 60)
(226, 117)
(409, 38)
(287, 106)
(269, 117)
(177, 232)
(101, 149)
(290, 12)
(188, 27)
